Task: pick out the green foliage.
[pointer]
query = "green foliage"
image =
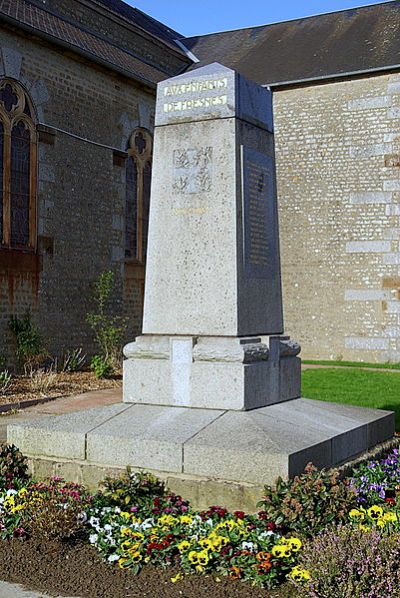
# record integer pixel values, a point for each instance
(29, 342)
(13, 465)
(54, 510)
(131, 489)
(108, 330)
(310, 502)
(5, 381)
(73, 360)
(101, 366)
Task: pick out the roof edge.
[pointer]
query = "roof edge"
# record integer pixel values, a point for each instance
(321, 14)
(76, 50)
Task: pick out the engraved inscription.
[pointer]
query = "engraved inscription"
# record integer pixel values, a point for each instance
(196, 87)
(260, 224)
(192, 170)
(257, 213)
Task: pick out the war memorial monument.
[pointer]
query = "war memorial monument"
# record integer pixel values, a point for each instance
(211, 396)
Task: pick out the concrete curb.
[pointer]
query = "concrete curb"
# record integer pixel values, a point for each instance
(28, 403)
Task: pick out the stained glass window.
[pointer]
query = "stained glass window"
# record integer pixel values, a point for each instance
(131, 208)
(17, 168)
(1, 181)
(146, 207)
(20, 194)
(138, 178)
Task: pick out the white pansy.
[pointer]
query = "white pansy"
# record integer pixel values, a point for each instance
(113, 557)
(94, 521)
(11, 492)
(249, 546)
(93, 538)
(117, 510)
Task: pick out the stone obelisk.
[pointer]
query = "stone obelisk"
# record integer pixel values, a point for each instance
(213, 304)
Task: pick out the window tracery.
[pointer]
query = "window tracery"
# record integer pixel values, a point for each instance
(138, 177)
(17, 168)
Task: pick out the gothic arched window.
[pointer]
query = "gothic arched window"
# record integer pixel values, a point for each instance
(17, 168)
(138, 177)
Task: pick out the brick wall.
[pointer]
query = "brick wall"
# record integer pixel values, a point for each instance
(81, 193)
(338, 159)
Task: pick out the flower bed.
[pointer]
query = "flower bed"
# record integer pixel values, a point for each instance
(314, 532)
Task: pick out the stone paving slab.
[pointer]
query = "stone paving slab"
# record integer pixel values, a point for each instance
(81, 402)
(11, 590)
(147, 436)
(246, 447)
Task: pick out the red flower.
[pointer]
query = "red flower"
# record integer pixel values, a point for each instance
(239, 514)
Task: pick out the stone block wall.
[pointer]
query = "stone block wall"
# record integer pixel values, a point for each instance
(338, 167)
(84, 113)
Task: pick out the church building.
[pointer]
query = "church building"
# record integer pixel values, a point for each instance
(77, 100)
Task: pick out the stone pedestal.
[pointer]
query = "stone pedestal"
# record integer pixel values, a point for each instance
(212, 372)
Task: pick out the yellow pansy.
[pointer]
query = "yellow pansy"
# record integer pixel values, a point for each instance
(136, 557)
(206, 543)
(389, 517)
(183, 546)
(375, 512)
(123, 563)
(17, 508)
(294, 543)
(185, 519)
(199, 568)
(203, 557)
(299, 574)
(125, 515)
(193, 557)
(281, 551)
(357, 514)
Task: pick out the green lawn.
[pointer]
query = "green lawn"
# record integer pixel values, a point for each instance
(355, 364)
(378, 390)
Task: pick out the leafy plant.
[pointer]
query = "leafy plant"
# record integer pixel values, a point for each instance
(55, 509)
(378, 480)
(5, 381)
(108, 330)
(101, 366)
(29, 342)
(13, 466)
(73, 360)
(351, 563)
(309, 502)
(138, 489)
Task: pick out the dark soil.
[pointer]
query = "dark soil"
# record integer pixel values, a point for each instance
(77, 570)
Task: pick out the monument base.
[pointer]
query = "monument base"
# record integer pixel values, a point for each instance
(212, 372)
(233, 453)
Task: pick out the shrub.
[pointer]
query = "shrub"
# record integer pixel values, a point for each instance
(73, 360)
(13, 466)
(310, 502)
(108, 330)
(101, 366)
(132, 489)
(41, 380)
(55, 510)
(29, 343)
(351, 563)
